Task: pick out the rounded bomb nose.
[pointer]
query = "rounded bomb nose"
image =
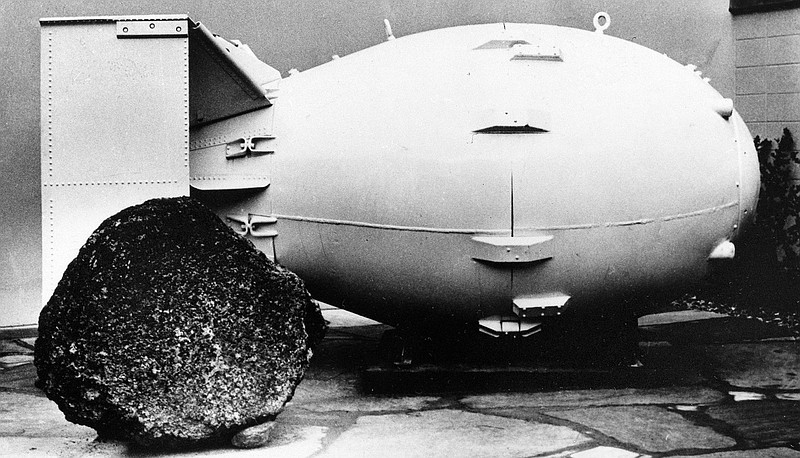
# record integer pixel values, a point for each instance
(576, 165)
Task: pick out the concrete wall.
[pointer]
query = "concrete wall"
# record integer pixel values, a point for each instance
(768, 71)
(301, 34)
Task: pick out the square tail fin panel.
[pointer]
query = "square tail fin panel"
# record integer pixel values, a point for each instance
(227, 77)
(118, 97)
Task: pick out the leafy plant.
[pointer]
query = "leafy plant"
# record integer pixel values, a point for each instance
(778, 212)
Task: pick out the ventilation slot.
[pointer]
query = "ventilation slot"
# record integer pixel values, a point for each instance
(526, 129)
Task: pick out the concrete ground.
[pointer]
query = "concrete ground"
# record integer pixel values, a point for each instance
(711, 386)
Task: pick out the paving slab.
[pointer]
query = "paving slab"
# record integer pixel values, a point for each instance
(680, 316)
(342, 394)
(314, 390)
(295, 443)
(370, 404)
(450, 433)
(20, 379)
(693, 395)
(651, 429)
(13, 347)
(605, 452)
(58, 447)
(763, 422)
(9, 361)
(32, 416)
(718, 330)
(766, 365)
(757, 453)
(33, 426)
(298, 416)
(650, 412)
(29, 342)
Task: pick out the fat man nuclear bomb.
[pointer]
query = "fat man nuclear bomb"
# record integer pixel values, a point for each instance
(499, 175)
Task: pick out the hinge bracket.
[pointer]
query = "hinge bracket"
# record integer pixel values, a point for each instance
(246, 146)
(254, 225)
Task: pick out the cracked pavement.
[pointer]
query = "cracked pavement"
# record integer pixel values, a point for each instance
(711, 386)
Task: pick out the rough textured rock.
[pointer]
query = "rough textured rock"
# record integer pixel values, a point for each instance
(254, 436)
(169, 329)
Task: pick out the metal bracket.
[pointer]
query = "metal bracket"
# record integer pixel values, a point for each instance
(538, 306)
(726, 250)
(152, 29)
(255, 225)
(513, 249)
(498, 325)
(260, 144)
(246, 146)
(536, 52)
(263, 226)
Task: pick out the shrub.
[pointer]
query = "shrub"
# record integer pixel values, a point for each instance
(778, 211)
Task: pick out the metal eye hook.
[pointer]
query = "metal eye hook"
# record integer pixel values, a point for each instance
(598, 27)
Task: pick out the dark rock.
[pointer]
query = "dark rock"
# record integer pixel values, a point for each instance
(254, 436)
(169, 329)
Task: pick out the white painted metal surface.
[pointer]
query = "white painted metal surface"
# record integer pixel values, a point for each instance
(115, 121)
(485, 173)
(629, 164)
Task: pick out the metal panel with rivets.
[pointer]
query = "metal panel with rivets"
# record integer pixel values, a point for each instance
(115, 124)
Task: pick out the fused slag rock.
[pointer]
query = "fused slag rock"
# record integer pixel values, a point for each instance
(169, 329)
